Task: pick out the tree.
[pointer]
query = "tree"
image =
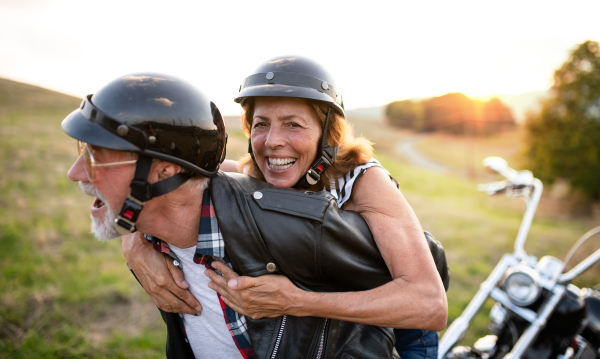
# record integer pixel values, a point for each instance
(496, 117)
(452, 112)
(404, 114)
(563, 139)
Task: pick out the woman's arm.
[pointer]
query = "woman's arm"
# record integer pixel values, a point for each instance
(162, 280)
(414, 299)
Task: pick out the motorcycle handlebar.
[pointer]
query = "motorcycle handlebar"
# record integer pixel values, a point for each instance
(493, 188)
(517, 184)
(584, 264)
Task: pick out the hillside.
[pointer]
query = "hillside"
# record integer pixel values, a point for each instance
(16, 96)
(64, 294)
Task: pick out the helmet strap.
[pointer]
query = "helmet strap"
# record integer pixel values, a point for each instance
(322, 163)
(251, 152)
(142, 191)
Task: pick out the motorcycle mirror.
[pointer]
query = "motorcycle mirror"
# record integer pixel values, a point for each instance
(495, 164)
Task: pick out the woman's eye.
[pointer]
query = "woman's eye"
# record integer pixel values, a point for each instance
(259, 124)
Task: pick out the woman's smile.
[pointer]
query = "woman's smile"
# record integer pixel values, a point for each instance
(280, 164)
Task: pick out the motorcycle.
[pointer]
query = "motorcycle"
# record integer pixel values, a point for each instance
(538, 313)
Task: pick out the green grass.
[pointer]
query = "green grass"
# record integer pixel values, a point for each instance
(477, 229)
(65, 295)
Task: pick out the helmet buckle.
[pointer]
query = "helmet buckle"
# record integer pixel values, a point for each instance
(125, 222)
(312, 177)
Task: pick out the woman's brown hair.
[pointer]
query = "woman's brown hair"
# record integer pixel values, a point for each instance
(352, 151)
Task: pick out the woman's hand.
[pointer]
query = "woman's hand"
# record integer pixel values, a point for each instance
(162, 280)
(266, 296)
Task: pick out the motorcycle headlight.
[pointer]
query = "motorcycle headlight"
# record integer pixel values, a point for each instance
(522, 286)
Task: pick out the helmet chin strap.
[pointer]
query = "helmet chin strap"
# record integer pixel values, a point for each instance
(142, 191)
(321, 163)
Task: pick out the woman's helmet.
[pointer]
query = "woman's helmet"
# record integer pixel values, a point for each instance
(295, 76)
(156, 116)
(292, 76)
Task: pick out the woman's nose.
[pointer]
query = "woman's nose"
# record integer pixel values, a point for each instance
(77, 171)
(275, 138)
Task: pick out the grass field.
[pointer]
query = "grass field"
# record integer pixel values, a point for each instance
(66, 295)
(477, 229)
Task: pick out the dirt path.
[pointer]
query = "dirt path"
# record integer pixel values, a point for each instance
(407, 148)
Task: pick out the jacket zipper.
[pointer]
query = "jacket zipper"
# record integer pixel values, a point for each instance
(279, 336)
(322, 341)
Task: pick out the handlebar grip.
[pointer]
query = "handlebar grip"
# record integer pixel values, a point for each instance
(494, 187)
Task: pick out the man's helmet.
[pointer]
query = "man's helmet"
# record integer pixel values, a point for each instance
(155, 116)
(295, 76)
(292, 76)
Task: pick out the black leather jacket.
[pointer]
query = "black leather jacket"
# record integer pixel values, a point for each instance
(304, 236)
(301, 235)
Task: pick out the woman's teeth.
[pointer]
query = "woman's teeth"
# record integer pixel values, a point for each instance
(279, 164)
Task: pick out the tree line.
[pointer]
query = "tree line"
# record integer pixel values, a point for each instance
(451, 113)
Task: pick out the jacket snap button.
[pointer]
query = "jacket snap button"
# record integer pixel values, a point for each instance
(271, 267)
(257, 195)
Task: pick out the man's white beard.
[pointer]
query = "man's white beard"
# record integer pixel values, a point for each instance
(103, 228)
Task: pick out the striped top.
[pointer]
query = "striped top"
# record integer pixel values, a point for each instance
(343, 187)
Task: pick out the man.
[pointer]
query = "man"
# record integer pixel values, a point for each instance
(150, 148)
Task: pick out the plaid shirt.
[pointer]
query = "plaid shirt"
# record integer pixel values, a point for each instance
(210, 247)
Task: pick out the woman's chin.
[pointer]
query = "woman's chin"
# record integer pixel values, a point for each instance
(281, 181)
(282, 178)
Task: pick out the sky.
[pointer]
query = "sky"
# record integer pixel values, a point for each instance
(377, 51)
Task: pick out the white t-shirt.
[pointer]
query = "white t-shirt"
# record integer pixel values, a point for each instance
(207, 333)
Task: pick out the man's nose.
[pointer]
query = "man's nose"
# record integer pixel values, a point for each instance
(77, 171)
(275, 138)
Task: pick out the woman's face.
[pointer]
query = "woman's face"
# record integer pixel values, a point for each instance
(285, 134)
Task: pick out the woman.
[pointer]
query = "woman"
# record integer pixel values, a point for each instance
(299, 138)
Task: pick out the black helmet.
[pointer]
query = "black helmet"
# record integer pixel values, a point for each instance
(292, 76)
(156, 116)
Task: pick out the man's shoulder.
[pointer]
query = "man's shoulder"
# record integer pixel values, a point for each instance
(238, 192)
(248, 184)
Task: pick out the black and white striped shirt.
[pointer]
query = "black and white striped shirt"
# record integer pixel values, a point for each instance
(343, 187)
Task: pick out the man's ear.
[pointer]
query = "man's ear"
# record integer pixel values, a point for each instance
(163, 170)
